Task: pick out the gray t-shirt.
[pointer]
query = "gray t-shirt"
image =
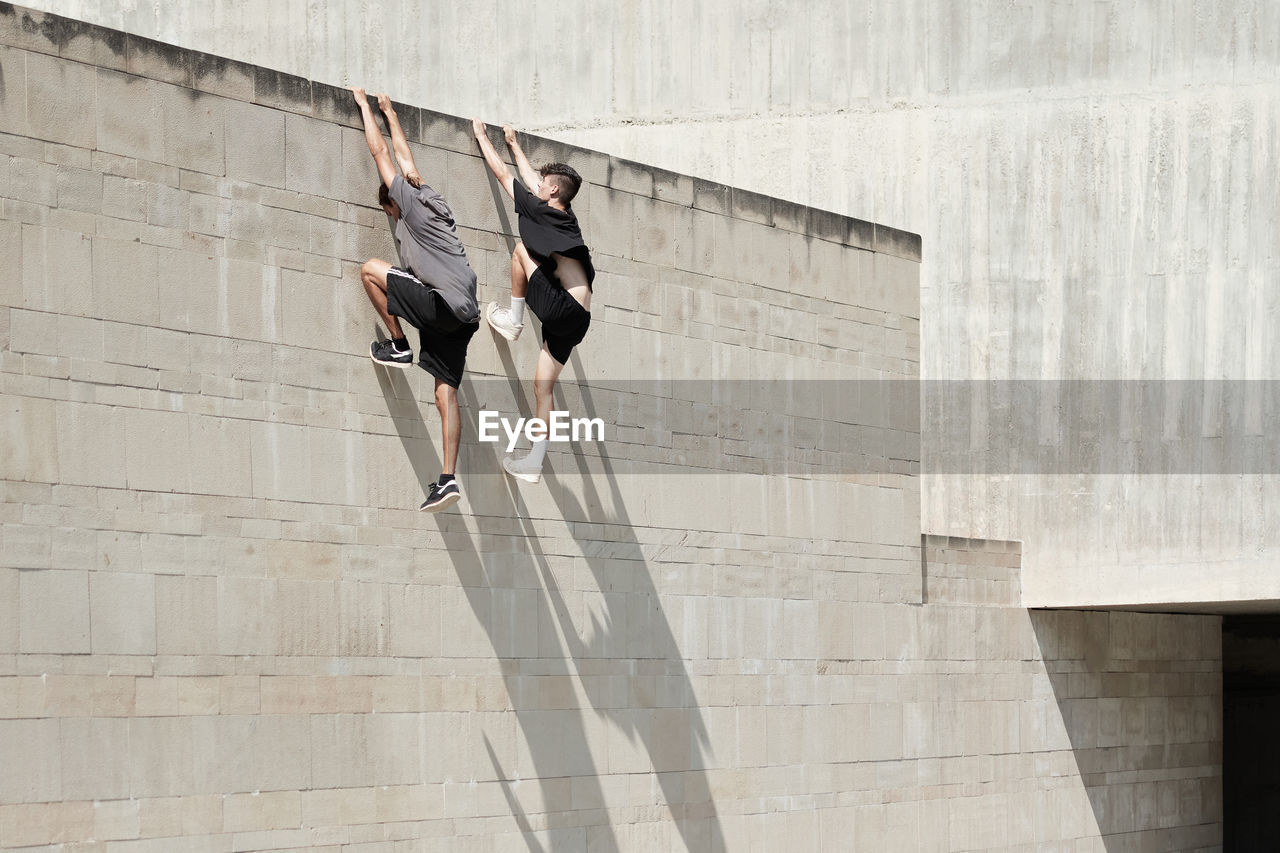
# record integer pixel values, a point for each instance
(429, 246)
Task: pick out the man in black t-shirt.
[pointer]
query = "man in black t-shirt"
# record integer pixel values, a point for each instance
(550, 268)
(436, 293)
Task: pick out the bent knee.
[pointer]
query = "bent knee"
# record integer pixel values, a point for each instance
(521, 258)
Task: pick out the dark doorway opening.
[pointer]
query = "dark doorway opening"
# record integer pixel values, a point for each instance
(1251, 732)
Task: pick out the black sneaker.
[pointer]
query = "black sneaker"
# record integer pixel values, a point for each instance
(441, 497)
(383, 352)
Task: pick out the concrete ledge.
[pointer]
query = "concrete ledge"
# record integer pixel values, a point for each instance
(1193, 586)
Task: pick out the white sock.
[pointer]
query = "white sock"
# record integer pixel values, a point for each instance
(538, 453)
(517, 310)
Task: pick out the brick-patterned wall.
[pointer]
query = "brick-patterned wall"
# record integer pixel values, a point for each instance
(224, 627)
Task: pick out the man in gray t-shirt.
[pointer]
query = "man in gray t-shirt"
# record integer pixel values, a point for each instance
(434, 290)
(428, 244)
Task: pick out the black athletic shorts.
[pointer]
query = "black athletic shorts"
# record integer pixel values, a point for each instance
(564, 321)
(443, 336)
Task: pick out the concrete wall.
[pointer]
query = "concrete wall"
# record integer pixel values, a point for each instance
(1091, 180)
(223, 626)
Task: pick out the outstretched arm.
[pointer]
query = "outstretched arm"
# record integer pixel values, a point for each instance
(399, 144)
(528, 176)
(373, 136)
(500, 170)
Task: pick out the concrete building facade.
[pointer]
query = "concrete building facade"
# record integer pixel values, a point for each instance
(1091, 181)
(222, 627)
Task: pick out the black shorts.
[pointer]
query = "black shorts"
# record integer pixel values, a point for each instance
(443, 337)
(564, 321)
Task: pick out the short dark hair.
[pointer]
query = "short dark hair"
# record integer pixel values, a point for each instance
(384, 196)
(565, 177)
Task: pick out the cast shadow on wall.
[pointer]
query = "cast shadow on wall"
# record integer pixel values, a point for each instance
(657, 709)
(1144, 736)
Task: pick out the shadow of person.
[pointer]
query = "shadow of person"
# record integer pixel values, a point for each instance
(668, 721)
(557, 739)
(517, 811)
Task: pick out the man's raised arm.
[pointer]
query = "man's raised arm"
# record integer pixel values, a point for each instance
(528, 175)
(500, 170)
(399, 144)
(373, 136)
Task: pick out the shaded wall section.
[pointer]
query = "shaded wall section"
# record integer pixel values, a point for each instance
(223, 625)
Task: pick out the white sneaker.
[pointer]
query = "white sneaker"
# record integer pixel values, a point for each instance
(500, 320)
(522, 469)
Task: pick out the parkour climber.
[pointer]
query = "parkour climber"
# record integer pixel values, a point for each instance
(551, 274)
(435, 291)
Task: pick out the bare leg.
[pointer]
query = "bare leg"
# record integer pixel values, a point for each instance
(544, 382)
(522, 267)
(373, 275)
(450, 424)
(529, 467)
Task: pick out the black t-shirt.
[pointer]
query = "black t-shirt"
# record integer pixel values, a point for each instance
(545, 229)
